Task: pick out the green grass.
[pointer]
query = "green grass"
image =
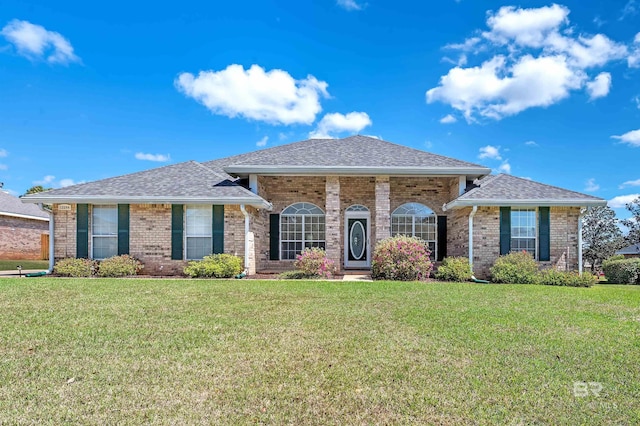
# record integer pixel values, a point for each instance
(187, 351)
(11, 265)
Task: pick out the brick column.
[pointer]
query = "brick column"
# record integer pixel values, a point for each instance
(383, 205)
(332, 219)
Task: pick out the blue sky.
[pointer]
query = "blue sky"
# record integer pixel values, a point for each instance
(539, 90)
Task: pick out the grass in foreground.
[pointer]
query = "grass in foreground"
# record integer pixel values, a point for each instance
(187, 351)
(12, 265)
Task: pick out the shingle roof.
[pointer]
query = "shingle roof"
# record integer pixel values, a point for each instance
(505, 189)
(189, 181)
(352, 153)
(12, 206)
(632, 249)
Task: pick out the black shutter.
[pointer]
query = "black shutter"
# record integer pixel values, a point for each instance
(505, 230)
(82, 231)
(177, 225)
(442, 238)
(544, 234)
(123, 229)
(274, 237)
(218, 229)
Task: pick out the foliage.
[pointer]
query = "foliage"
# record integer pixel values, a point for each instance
(622, 271)
(555, 277)
(515, 268)
(215, 266)
(601, 235)
(119, 266)
(633, 223)
(314, 263)
(454, 269)
(36, 189)
(296, 275)
(72, 267)
(401, 258)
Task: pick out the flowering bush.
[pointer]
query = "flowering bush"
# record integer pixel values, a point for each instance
(401, 258)
(119, 266)
(313, 262)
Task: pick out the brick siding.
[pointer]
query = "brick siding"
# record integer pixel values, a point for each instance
(20, 237)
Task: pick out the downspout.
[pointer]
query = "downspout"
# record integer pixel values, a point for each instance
(246, 238)
(51, 250)
(582, 213)
(471, 215)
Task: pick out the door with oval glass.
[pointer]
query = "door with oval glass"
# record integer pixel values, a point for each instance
(357, 246)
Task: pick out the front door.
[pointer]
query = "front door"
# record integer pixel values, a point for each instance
(357, 245)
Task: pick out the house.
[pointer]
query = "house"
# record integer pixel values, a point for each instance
(339, 194)
(21, 229)
(631, 251)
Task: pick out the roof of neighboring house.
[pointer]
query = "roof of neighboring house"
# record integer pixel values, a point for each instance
(12, 206)
(507, 190)
(353, 155)
(632, 249)
(188, 182)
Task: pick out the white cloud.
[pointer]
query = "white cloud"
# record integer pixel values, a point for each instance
(633, 61)
(350, 5)
(632, 138)
(600, 86)
(629, 9)
(505, 167)
(3, 153)
(262, 142)
(531, 143)
(4, 167)
(352, 122)
(492, 152)
(622, 200)
(428, 144)
(448, 119)
(67, 182)
(36, 42)
(161, 158)
(630, 183)
(591, 185)
(271, 96)
(50, 180)
(537, 61)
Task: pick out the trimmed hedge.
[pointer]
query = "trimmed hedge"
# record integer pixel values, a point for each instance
(119, 266)
(623, 271)
(401, 258)
(296, 275)
(567, 279)
(215, 266)
(454, 269)
(515, 268)
(77, 268)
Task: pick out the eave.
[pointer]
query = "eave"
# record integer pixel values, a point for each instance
(456, 204)
(282, 170)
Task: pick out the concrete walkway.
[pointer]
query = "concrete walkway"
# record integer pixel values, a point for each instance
(14, 273)
(363, 277)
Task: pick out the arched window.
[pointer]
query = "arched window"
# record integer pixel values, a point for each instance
(415, 220)
(301, 226)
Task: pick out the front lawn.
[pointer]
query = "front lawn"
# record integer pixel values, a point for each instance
(165, 351)
(12, 265)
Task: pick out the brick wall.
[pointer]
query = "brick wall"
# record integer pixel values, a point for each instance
(458, 232)
(433, 192)
(64, 232)
(20, 237)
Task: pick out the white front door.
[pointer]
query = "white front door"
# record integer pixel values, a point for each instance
(357, 247)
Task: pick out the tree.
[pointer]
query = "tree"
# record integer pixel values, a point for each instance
(633, 223)
(35, 189)
(601, 235)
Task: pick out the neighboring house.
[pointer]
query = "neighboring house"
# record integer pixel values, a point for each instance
(632, 251)
(339, 194)
(21, 229)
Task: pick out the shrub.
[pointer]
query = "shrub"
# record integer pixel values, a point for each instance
(215, 266)
(119, 266)
(314, 263)
(401, 258)
(296, 275)
(454, 269)
(569, 279)
(515, 268)
(623, 271)
(72, 267)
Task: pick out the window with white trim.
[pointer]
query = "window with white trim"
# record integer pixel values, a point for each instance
(415, 220)
(198, 231)
(524, 230)
(104, 231)
(302, 225)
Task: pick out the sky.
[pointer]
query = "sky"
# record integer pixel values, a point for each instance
(547, 91)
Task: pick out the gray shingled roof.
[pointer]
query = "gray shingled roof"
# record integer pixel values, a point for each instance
(10, 205)
(188, 182)
(348, 154)
(511, 190)
(632, 249)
